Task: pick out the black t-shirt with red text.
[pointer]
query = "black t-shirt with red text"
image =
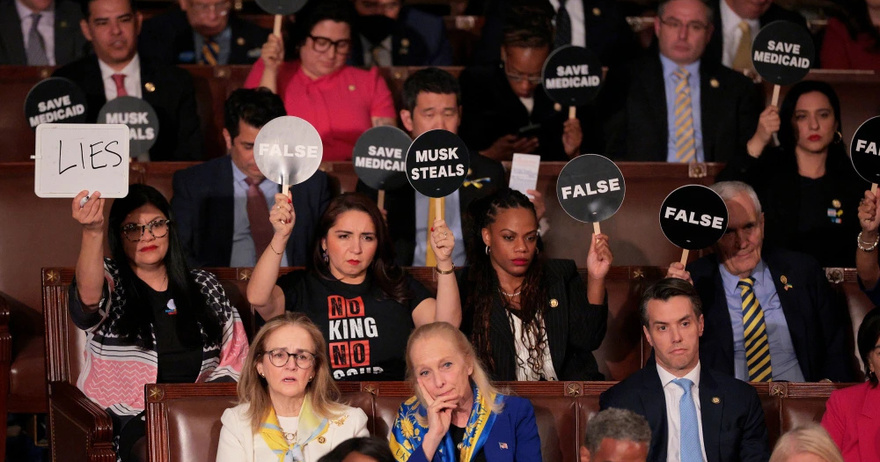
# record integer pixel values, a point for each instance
(366, 332)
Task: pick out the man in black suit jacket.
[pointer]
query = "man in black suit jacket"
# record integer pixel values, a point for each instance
(725, 104)
(210, 199)
(729, 411)
(68, 41)
(112, 27)
(731, 12)
(386, 34)
(800, 310)
(432, 100)
(180, 36)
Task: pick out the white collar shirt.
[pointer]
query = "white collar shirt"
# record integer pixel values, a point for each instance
(673, 394)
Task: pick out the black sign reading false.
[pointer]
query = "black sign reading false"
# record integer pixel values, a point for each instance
(590, 188)
(437, 163)
(379, 157)
(865, 150)
(55, 100)
(693, 217)
(288, 150)
(283, 7)
(783, 52)
(572, 75)
(140, 117)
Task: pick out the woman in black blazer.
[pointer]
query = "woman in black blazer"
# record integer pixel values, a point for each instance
(530, 318)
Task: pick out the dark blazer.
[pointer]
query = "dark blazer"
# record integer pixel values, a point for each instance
(70, 44)
(575, 327)
(514, 435)
(400, 204)
(418, 39)
(170, 92)
(168, 39)
(203, 209)
(774, 13)
(493, 110)
(815, 316)
(732, 418)
(638, 131)
(607, 32)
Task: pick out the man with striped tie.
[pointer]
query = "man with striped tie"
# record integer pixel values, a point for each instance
(675, 106)
(696, 414)
(770, 313)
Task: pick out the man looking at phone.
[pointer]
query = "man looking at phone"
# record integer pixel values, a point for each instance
(508, 111)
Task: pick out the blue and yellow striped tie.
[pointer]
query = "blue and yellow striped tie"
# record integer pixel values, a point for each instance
(757, 345)
(210, 52)
(685, 144)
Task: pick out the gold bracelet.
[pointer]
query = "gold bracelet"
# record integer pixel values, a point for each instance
(867, 246)
(273, 249)
(449, 271)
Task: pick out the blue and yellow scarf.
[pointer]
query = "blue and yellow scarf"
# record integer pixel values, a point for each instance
(309, 424)
(407, 433)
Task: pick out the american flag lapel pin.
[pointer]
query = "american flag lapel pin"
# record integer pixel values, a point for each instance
(502, 445)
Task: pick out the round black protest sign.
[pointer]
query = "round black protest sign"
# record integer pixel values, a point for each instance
(55, 100)
(140, 118)
(783, 52)
(288, 150)
(283, 7)
(437, 163)
(590, 188)
(572, 75)
(865, 150)
(693, 217)
(379, 157)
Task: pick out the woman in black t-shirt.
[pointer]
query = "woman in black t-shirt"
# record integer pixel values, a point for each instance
(365, 305)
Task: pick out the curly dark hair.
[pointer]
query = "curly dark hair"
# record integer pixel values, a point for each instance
(485, 288)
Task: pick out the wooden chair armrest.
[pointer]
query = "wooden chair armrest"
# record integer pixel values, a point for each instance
(80, 426)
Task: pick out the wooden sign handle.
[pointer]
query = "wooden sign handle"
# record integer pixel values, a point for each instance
(277, 28)
(684, 256)
(873, 188)
(438, 209)
(572, 112)
(596, 228)
(775, 102)
(285, 189)
(380, 201)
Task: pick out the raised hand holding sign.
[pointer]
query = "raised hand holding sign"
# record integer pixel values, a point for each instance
(379, 159)
(288, 150)
(572, 76)
(436, 165)
(782, 54)
(865, 151)
(693, 217)
(590, 189)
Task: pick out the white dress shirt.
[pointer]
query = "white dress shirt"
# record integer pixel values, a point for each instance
(673, 394)
(132, 73)
(46, 27)
(731, 32)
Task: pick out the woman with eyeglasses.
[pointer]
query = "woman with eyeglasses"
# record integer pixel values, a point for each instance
(339, 100)
(148, 318)
(289, 406)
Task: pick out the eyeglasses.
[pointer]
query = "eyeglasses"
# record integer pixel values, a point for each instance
(134, 232)
(221, 8)
(279, 357)
(322, 44)
(694, 27)
(517, 77)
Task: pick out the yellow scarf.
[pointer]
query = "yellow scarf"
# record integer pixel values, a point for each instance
(308, 424)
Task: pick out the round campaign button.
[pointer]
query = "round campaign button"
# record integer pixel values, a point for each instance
(590, 188)
(783, 52)
(572, 75)
(693, 217)
(288, 150)
(283, 7)
(437, 163)
(379, 157)
(865, 150)
(55, 100)
(140, 117)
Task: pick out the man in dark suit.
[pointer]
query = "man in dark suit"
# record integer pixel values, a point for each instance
(116, 70)
(806, 337)
(58, 39)
(723, 105)
(431, 100)
(738, 18)
(695, 414)
(389, 34)
(202, 32)
(509, 112)
(210, 201)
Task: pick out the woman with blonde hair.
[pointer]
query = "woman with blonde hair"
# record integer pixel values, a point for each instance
(289, 406)
(802, 442)
(457, 414)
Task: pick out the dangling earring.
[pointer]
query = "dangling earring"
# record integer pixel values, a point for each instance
(324, 256)
(838, 137)
(488, 250)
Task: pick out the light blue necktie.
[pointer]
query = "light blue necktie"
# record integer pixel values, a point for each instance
(690, 432)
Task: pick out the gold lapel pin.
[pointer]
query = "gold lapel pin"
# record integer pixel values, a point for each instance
(714, 83)
(351, 88)
(554, 303)
(597, 12)
(150, 87)
(716, 400)
(239, 41)
(321, 440)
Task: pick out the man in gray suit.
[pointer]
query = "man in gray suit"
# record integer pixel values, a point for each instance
(40, 32)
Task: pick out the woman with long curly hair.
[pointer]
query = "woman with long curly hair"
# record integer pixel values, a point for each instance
(530, 318)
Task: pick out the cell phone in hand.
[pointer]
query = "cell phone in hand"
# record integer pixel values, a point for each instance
(529, 131)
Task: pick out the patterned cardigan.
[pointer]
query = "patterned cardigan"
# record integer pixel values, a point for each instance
(115, 371)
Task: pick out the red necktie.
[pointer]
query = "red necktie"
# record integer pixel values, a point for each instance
(258, 216)
(120, 84)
